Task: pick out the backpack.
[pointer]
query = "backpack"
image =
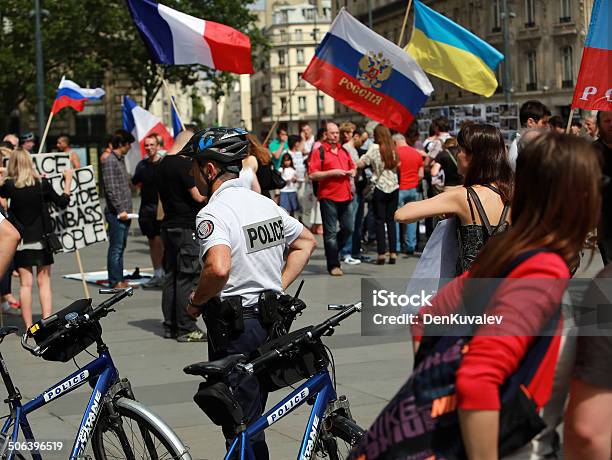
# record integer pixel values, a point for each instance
(315, 183)
(421, 420)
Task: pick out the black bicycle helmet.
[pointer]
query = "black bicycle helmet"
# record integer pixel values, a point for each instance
(227, 146)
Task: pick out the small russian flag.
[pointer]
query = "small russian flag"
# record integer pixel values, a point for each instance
(69, 94)
(176, 38)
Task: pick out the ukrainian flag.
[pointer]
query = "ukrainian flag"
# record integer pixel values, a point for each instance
(448, 51)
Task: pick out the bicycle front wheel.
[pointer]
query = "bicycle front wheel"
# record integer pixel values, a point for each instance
(339, 437)
(128, 435)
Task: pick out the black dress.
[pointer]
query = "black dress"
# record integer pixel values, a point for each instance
(25, 213)
(472, 237)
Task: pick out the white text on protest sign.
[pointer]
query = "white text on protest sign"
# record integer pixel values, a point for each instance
(82, 222)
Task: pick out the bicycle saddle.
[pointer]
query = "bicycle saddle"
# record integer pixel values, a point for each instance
(219, 367)
(8, 330)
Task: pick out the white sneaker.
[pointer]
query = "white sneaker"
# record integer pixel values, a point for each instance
(351, 261)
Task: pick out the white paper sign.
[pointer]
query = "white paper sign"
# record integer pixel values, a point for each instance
(82, 222)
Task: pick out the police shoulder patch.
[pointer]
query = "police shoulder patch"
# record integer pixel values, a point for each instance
(205, 228)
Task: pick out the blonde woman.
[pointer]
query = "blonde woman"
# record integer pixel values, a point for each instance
(30, 195)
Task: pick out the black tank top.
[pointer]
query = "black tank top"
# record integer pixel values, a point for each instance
(472, 237)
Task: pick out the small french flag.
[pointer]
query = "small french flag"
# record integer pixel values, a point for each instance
(176, 38)
(69, 94)
(142, 123)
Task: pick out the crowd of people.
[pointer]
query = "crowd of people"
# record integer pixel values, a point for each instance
(521, 211)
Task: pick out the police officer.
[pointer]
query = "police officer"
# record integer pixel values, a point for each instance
(243, 237)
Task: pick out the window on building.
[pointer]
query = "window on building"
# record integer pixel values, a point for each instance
(315, 34)
(282, 79)
(302, 103)
(283, 105)
(300, 55)
(321, 102)
(298, 34)
(529, 13)
(565, 11)
(532, 71)
(309, 13)
(568, 67)
(301, 83)
(496, 15)
(284, 36)
(281, 57)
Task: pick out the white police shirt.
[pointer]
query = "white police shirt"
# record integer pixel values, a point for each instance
(255, 229)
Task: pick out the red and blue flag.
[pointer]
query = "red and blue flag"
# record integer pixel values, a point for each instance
(594, 87)
(368, 73)
(69, 94)
(173, 37)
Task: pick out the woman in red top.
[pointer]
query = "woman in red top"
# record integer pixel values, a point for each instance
(556, 203)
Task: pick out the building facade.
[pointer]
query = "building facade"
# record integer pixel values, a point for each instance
(546, 38)
(294, 29)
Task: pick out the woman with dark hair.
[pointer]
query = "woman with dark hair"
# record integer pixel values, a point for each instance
(383, 159)
(554, 206)
(484, 198)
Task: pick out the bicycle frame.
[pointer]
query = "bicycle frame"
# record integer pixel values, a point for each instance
(320, 385)
(101, 370)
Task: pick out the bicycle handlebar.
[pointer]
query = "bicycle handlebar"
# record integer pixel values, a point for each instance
(312, 334)
(78, 321)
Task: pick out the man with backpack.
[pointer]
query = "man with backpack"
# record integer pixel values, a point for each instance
(331, 168)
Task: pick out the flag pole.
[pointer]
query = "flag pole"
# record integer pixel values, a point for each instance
(401, 37)
(44, 138)
(283, 109)
(178, 114)
(569, 121)
(80, 263)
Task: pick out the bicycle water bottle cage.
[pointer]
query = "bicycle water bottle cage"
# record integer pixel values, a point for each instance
(74, 340)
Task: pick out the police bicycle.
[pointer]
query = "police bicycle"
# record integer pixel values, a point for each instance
(330, 432)
(116, 424)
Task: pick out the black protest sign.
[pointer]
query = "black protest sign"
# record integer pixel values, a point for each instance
(82, 222)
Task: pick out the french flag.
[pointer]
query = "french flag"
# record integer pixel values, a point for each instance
(594, 86)
(177, 126)
(142, 123)
(368, 73)
(173, 37)
(69, 94)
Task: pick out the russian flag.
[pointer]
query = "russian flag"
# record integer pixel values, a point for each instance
(142, 123)
(368, 73)
(173, 37)
(594, 86)
(69, 94)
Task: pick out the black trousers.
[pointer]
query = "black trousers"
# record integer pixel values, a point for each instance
(246, 388)
(385, 205)
(181, 253)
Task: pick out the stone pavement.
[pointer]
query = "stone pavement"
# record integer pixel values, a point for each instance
(369, 369)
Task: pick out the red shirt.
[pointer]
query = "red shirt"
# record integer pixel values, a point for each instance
(410, 162)
(496, 351)
(332, 188)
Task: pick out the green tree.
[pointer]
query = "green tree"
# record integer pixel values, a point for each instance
(70, 48)
(83, 39)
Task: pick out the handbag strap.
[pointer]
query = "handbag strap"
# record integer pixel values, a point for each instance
(46, 218)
